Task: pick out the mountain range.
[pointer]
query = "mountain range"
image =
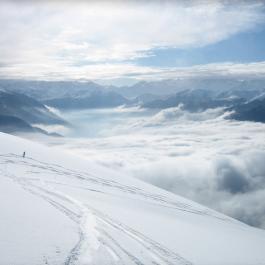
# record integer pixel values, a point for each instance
(253, 110)
(29, 100)
(22, 113)
(96, 99)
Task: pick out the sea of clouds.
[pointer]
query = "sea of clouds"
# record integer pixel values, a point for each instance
(202, 156)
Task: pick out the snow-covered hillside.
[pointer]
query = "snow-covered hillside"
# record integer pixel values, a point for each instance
(58, 208)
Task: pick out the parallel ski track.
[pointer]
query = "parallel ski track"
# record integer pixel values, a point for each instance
(107, 227)
(90, 178)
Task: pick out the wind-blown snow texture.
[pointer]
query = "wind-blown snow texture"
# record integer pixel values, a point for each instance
(59, 209)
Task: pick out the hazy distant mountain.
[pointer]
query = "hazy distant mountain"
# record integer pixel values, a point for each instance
(195, 94)
(66, 94)
(27, 109)
(194, 100)
(146, 98)
(44, 90)
(166, 87)
(97, 99)
(246, 104)
(10, 124)
(244, 93)
(14, 125)
(251, 111)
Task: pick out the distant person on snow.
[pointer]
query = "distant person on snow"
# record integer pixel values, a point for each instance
(24, 154)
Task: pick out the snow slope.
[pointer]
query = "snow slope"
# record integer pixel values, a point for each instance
(57, 208)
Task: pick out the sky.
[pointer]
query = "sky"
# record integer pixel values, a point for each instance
(131, 40)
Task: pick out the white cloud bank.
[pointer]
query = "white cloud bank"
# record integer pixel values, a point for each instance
(202, 156)
(96, 39)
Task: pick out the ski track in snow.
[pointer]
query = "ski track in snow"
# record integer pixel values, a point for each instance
(98, 233)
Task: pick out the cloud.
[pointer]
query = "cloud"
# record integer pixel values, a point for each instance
(201, 156)
(66, 39)
(171, 115)
(230, 177)
(130, 71)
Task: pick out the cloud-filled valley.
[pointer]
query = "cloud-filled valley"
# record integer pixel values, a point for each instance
(202, 156)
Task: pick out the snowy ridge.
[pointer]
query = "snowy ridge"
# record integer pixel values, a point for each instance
(121, 220)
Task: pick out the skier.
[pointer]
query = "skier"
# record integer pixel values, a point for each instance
(24, 154)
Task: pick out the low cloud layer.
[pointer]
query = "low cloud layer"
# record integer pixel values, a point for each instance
(203, 156)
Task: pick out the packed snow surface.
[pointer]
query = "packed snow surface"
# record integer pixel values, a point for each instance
(57, 208)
